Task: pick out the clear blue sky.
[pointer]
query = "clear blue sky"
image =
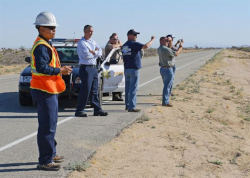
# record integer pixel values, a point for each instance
(217, 23)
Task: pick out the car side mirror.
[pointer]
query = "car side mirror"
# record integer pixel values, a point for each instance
(28, 59)
(100, 69)
(107, 63)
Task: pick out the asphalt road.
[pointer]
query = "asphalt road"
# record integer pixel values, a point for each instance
(77, 138)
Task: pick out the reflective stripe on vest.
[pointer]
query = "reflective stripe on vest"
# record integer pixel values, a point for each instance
(48, 83)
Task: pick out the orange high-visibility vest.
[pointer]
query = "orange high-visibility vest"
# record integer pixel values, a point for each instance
(48, 83)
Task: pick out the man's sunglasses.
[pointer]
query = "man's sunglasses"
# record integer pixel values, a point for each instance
(50, 27)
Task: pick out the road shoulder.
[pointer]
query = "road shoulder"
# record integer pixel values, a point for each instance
(206, 133)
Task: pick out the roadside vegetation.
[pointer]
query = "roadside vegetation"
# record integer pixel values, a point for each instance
(242, 48)
(12, 60)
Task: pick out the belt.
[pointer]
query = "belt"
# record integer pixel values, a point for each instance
(166, 67)
(87, 65)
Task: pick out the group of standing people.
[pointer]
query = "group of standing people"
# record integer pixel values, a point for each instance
(47, 80)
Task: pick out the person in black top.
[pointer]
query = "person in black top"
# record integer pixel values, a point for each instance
(131, 52)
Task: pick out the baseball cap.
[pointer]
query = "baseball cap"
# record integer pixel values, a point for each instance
(170, 35)
(132, 32)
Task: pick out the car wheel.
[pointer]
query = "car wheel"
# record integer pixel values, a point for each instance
(106, 94)
(117, 96)
(25, 100)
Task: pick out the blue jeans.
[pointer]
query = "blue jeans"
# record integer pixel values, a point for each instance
(167, 75)
(174, 68)
(131, 87)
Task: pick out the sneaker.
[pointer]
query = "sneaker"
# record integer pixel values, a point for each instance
(167, 105)
(49, 167)
(134, 110)
(58, 159)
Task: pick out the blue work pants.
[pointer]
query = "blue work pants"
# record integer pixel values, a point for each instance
(89, 86)
(47, 109)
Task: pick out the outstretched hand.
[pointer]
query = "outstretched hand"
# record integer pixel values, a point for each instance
(181, 43)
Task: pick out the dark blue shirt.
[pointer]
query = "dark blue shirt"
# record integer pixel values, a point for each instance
(131, 52)
(43, 56)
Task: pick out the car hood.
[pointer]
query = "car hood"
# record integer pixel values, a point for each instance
(26, 71)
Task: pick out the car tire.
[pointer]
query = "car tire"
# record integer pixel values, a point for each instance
(106, 94)
(116, 95)
(25, 100)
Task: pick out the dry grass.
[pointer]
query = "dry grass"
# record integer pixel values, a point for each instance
(12, 69)
(12, 60)
(13, 56)
(242, 48)
(150, 52)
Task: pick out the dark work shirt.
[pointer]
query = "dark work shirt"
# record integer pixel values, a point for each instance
(131, 52)
(43, 56)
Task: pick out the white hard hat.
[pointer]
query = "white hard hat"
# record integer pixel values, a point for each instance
(45, 19)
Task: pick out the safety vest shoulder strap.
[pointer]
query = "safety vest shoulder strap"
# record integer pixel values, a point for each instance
(40, 41)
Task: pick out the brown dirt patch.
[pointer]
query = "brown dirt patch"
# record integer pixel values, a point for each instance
(205, 134)
(12, 60)
(13, 69)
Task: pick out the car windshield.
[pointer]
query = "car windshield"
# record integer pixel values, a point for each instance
(67, 54)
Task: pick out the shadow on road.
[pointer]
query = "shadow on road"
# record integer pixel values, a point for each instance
(9, 102)
(147, 95)
(18, 170)
(8, 165)
(18, 164)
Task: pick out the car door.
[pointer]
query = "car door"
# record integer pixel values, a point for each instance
(113, 74)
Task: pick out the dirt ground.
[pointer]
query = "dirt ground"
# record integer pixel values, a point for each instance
(12, 60)
(205, 134)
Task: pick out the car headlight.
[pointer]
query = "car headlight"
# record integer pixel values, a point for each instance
(78, 80)
(21, 79)
(25, 79)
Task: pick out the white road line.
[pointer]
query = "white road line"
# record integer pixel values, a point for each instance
(18, 141)
(69, 118)
(149, 81)
(30, 136)
(176, 69)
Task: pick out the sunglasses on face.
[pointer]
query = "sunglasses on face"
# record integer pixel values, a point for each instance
(50, 27)
(115, 39)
